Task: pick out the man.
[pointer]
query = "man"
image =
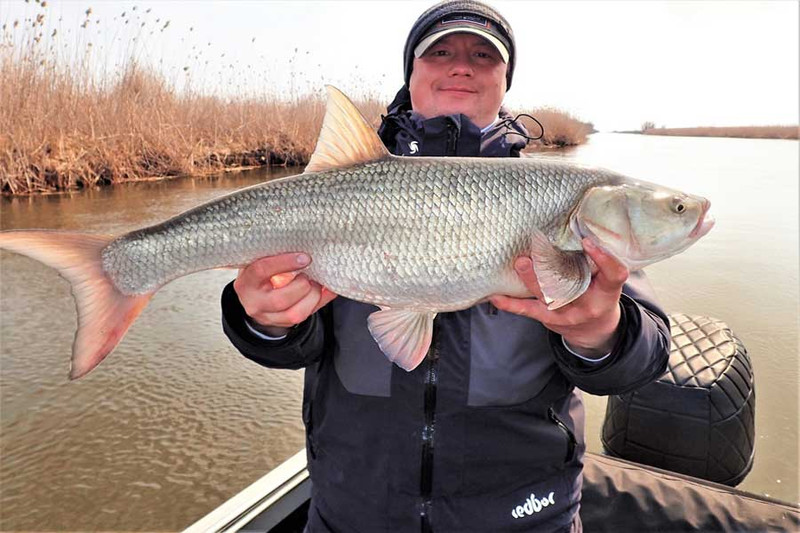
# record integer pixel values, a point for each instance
(487, 433)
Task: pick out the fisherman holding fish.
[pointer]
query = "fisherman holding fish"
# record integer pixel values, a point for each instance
(446, 305)
(485, 433)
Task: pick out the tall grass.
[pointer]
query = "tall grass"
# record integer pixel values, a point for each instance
(63, 134)
(63, 128)
(67, 121)
(560, 127)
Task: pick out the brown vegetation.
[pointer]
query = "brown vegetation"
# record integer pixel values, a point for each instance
(750, 132)
(62, 133)
(62, 127)
(560, 128)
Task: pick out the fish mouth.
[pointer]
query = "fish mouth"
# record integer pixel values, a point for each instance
(704, 224)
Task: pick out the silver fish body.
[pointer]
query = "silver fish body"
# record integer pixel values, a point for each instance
(415, 236)
(428, 234)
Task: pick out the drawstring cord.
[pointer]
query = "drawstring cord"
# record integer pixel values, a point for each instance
(509, 122)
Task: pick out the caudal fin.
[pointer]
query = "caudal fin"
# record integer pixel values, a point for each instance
(104, 313)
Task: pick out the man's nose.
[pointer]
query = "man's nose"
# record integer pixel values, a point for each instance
(461, 66)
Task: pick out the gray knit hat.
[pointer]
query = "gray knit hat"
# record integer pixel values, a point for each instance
(461, 15)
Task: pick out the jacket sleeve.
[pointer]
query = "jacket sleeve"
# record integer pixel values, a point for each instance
(300, 348)
(640, 354)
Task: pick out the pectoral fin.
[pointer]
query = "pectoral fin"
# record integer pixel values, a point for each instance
(404, 336)
(563, 276)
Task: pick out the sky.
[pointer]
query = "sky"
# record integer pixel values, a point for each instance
(615, 64)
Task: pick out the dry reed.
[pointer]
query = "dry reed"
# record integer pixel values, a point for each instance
(64, 126)
(62, 130)
(560, 128)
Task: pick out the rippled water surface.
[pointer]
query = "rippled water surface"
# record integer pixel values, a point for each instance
(171, 425)
(175, 421)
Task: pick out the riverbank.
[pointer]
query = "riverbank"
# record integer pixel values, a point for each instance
(64, 127)
(560, 129)
(745, 132)
(64, 133)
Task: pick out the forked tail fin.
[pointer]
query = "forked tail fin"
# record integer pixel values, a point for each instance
(104, 313)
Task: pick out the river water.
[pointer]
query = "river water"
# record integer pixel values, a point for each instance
(175, 422)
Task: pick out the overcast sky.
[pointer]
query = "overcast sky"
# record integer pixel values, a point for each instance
(616, 64)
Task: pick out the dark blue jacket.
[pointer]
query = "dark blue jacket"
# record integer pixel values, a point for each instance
(487, 433)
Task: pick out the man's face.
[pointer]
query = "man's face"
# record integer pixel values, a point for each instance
(460, 73)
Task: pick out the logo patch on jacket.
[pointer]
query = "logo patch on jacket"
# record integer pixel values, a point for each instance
(533, 505)
(413, 147)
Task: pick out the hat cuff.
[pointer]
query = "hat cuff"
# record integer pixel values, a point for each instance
(426, 43)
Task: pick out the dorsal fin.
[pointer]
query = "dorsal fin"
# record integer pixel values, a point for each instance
(346, 137)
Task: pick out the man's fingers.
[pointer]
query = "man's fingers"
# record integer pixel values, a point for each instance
(281, 299)
(611, 274)
(524, 267)
(298, 312)
(292, 304)
(326, 296)
(281, 280)
(529, 307)
(260, 271)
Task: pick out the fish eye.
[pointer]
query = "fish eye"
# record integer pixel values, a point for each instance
(678, 206)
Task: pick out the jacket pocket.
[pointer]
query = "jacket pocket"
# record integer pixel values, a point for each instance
(359, 362)
(568, 435)
(498, 447)
(510, 358)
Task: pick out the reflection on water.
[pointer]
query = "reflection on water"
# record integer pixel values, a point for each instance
(175, 421)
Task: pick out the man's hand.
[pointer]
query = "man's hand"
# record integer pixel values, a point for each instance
(276, 296)
(587, 324)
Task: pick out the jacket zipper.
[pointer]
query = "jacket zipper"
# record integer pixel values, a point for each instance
(571, 441)
(428, 432)
(452, 139)
(429, 403)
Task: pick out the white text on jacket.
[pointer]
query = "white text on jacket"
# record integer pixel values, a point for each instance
(533, 505)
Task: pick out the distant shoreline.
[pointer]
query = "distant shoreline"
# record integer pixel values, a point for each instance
(743, 132)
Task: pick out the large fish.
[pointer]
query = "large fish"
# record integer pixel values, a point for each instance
(415, 236)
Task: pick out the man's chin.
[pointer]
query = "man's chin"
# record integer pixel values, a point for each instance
(458, 105)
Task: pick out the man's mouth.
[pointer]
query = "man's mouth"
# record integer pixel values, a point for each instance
(458, 89)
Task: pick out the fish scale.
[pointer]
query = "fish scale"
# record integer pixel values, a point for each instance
(428, 234)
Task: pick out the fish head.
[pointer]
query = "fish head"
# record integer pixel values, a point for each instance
(641, 223)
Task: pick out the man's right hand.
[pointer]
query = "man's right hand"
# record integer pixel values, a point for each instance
(276, 296)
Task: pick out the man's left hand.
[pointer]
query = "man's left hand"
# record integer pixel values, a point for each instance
(589, 323)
